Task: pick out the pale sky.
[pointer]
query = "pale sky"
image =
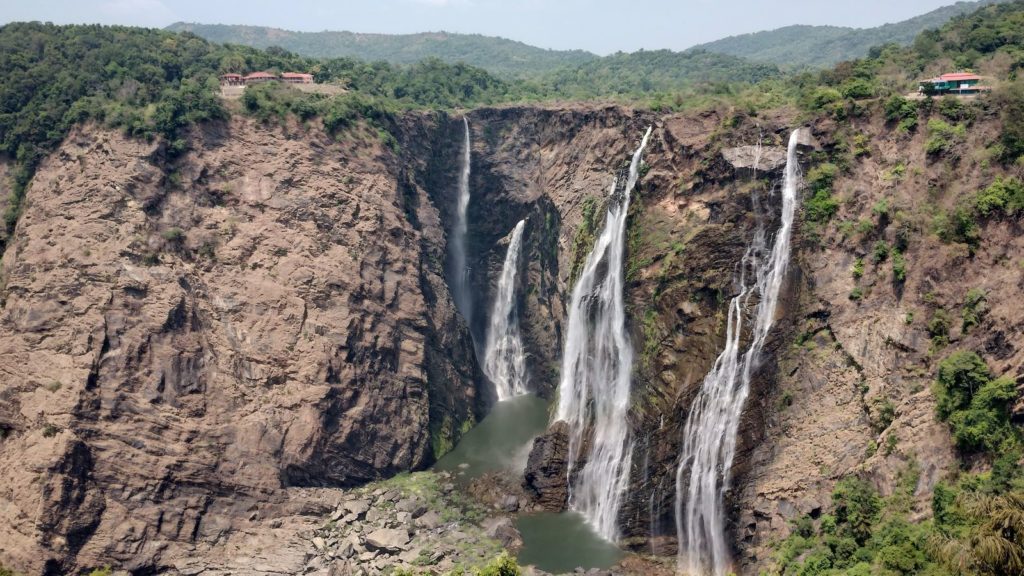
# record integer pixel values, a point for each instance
(600, 26)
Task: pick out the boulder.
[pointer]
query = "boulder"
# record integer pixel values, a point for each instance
(389, 540)
(509, 503)
(429, 520)
(414, 507)
(504, 531)
(357, 507)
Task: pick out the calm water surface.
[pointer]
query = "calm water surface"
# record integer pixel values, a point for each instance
(501, 442)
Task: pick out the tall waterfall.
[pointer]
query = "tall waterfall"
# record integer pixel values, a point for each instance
(710, 434)
(460, 273)
(596, 365)
(504, 358)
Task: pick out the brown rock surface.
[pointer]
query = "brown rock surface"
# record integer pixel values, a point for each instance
(189, 348)
(182, 341)
(546, 476)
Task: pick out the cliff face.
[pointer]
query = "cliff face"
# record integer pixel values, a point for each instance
(854, 387)
(196, 352)
(694, 213)
(184, 341)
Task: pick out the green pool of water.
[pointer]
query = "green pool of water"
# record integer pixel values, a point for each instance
(501, 442)
(562, 542)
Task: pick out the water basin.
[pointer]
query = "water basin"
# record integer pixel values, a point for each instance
(501, 442)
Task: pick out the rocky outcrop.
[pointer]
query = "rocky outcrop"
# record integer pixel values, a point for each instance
(546, 478)
(853, 392)
(754, 158)
(414, 522)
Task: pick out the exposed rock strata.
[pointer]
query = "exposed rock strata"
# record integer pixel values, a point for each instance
(189, 348)
(182, 341)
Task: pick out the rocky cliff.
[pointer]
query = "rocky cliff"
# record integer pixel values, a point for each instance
(196, 353)
(184, 342)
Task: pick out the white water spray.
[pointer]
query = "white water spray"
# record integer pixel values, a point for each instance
(460, 273)
(504, 358)
(709, 443)
(594, 389)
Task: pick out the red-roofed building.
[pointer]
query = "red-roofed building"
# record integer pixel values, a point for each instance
(297, 78)
(258, 77)
(954, 83)
(231, 79)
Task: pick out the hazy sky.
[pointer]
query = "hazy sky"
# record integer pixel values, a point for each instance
(601, 26)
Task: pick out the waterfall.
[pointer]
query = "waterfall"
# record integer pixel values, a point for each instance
(504, 358)
(596, 365)
(460, 274)
(709, 443)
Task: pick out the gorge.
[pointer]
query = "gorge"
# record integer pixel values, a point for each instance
(771, 332)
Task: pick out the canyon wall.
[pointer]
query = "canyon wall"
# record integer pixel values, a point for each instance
(184, 341)
(195, 351)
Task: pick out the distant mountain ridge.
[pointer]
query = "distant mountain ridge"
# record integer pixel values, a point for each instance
(497, 55)
(822, 46)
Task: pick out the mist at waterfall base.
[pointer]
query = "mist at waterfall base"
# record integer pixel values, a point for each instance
(709, 441)
(596, 371)
(504, 356)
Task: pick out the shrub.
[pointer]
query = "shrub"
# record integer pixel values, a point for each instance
(503, 565)
(944, 139)
(857, 89)
(858, 268)
(899, 267)
(824, 96)
(1005, 195)
(861, 145)
(898, 109)
(1012, 135)
(173, 235)
(856, 508)
(938, 327)
(958, 226)
(974, 404)
(885, 413)
(974, 308)
(881, 208)
(821, 206)
(880, 252)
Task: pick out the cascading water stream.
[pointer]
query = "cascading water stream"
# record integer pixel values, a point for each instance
(459, 271)
(709, 443)
(504, 358)
(595, 383)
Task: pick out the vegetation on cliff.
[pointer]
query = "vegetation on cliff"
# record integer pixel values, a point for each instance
(978, 518)
(959, 163)
(153, 83)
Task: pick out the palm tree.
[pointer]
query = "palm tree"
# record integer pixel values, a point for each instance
(994, 544)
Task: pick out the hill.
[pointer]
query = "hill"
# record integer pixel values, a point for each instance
(650, 71)
(822, 46)
(497, 55)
